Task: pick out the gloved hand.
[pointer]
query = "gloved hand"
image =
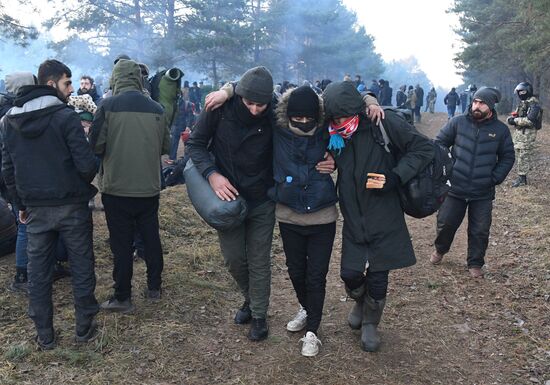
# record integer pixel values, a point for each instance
(511, 121)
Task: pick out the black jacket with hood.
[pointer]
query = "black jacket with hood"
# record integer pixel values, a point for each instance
(46, 159)
(242, 147)
(483, 153)
(374, 218)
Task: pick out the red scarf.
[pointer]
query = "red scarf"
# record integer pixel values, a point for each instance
(346, 129)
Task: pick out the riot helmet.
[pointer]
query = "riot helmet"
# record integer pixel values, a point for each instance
(524, 90)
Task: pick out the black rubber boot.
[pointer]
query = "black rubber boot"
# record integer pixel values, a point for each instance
(521, 180)
(372, 313)
(355, 316)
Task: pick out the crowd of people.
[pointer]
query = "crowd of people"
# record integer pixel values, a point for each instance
(275, 146)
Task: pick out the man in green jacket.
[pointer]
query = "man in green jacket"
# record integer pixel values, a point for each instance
(130, 133)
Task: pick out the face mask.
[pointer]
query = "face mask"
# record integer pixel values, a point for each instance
(245, 115)
(304, 127)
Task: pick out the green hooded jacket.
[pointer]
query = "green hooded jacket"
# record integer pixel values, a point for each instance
(130, 133)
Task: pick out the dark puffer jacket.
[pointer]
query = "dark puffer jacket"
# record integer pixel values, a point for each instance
(242, 149)
(298, 184)
(46, 159)
(483, 153)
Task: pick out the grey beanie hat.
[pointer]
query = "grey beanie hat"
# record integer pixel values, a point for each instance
(488, 95)
(256, 85)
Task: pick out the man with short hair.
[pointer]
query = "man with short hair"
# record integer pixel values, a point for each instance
(484, 155)
(130, 133)
(48, 167)
(87, 86)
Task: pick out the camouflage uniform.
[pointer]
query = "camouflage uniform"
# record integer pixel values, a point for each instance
(525, 136)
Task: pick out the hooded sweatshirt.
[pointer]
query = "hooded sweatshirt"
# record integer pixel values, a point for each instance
(130, 133)
(14, 81)
(46, 159)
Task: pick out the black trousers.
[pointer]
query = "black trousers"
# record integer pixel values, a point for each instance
(308, 250)
(124, 215)
(450, 217)
(45, 225)
(377, 281)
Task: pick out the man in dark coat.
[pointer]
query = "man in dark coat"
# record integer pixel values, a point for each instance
(451, 100)
(401, 97)
(484, 155)
(375, 235)
(87, 86)
(48, 167)
(240, 136)
(419, 102)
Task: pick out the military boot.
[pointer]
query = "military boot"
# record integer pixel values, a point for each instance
(372, 313)
(356, 314)
(521, 180)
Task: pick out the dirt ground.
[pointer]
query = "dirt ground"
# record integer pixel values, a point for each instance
(439, 327)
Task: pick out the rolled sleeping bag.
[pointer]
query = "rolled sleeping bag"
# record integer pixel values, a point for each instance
(221, 215)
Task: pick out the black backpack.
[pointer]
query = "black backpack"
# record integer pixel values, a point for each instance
(425, 192)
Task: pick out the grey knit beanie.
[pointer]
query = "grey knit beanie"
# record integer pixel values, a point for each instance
(488, 95)
(256, 85)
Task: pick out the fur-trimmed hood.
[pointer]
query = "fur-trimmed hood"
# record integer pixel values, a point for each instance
(282, 108)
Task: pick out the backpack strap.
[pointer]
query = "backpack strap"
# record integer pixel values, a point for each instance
(385, 137)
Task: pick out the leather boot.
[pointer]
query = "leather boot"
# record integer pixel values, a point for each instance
(355, 316)
(521, 180)
(372, 313)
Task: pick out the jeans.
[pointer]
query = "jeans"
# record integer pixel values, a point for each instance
(308, 250)
(247, 254)
(21, 258)
(44, 226)
(417, 113)
(124, 215)
(451, 111)
(175, 135)
(450, 216)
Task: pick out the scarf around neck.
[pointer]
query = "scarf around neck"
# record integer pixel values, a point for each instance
(340, 132)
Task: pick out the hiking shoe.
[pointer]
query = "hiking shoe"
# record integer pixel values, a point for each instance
(45, 343)
(475, 272)
(152, 294)
(521, 180)
(116, 306)
(19, 284)
(60, 271)
(244, 314)
(310, 348)
(436, 258)
(298, 322)
(86, 333)
(258, 329)
(19, 287)
(139, 254)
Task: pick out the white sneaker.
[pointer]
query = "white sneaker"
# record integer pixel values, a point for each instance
(310, 348)
(298, 322)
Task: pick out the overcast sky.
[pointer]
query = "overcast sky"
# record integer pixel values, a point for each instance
(420, 28)
(401, 28)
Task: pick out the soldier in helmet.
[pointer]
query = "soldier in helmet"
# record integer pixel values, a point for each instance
(527, 119)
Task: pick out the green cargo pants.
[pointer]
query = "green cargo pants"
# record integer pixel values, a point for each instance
(247, 254)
